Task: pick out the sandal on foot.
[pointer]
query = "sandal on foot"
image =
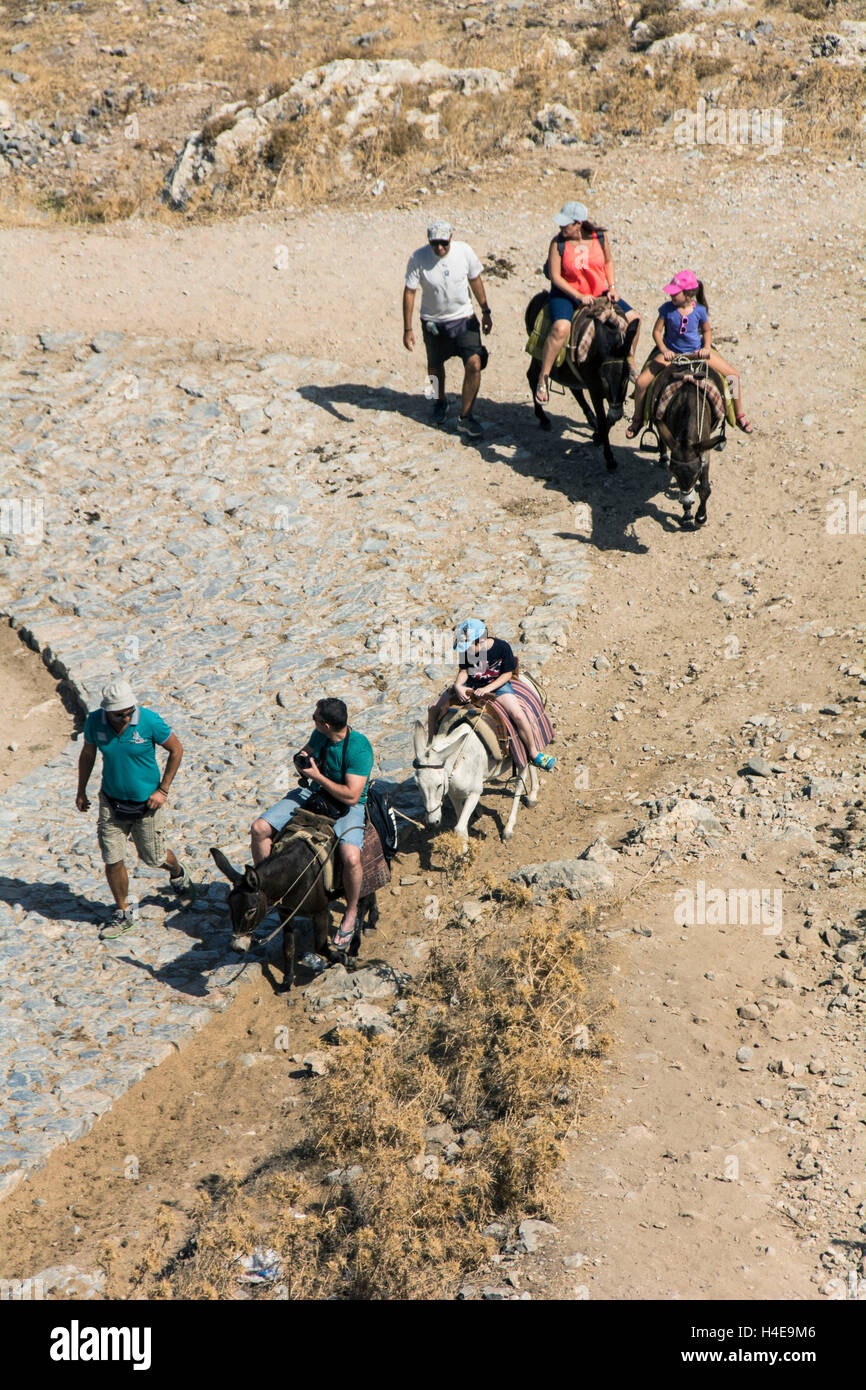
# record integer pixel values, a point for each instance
(633, 430)
(744, 424)
(343, 936)
(542, 391)
(546, 761)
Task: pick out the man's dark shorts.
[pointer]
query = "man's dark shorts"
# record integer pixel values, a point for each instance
(441, 346)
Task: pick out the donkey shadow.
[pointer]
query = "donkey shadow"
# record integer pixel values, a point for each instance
(564, 459)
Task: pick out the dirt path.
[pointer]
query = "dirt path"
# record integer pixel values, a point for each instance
(649, 1195)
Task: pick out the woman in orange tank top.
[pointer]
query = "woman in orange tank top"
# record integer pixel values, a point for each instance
(580, 267)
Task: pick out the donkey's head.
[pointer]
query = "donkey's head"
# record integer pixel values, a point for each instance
(683, 422)
(609, 357)
(248, 903)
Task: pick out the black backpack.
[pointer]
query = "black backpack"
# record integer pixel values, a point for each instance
(383, 818)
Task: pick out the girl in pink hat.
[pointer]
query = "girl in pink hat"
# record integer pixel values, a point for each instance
(682, 329)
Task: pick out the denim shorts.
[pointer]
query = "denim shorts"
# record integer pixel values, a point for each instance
(561, 307)
(506, 689)
(349, 829)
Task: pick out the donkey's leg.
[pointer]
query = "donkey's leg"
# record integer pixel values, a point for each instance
(321, 923)
(591, 420)
(532, 797)
(519, 789)
(602, 431)
(288, 956)
(704, 491)
(464, 812)
(533, 376)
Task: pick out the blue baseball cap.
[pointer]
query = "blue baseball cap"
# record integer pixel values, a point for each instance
(571, 212)
(469, 631)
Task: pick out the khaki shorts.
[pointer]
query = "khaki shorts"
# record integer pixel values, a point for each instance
(147, 834)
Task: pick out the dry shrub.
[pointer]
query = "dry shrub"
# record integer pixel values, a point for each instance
(604, 36)
(491, 1043)
(214, 126)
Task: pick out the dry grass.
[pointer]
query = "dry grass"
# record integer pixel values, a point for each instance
(186, 64)
(493, 1044)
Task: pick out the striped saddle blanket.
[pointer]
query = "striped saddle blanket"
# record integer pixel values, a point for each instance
(493, 725)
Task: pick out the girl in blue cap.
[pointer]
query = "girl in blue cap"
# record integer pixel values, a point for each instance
(486, 666)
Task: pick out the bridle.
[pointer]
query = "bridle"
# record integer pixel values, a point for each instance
(443, 767)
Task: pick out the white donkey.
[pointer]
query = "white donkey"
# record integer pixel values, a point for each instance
(460, 764)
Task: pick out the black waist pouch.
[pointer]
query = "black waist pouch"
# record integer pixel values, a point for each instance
(126, 810)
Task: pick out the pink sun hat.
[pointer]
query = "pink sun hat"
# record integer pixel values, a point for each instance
(683, 280)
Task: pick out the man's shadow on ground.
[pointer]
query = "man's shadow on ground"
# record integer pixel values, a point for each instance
(564, 458)
(57, 902)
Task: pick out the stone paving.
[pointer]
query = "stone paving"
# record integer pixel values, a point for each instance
(238, 534)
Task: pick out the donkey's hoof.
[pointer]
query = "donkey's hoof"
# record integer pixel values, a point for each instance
(701, 520)
(544, 424)
(611, 465)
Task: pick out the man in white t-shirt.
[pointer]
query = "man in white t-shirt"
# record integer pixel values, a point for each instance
(446, 270)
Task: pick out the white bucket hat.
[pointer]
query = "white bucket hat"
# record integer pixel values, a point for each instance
(118, 695)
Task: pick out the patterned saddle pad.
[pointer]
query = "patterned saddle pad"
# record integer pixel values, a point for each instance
(318, 832)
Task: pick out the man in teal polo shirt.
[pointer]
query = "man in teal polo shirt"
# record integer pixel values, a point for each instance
(338, 761)
(132, 795)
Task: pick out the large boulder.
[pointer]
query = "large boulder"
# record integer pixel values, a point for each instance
(581, 878)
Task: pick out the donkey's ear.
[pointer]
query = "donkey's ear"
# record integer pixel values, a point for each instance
(251, 877)
(419, 739)
(225, 867)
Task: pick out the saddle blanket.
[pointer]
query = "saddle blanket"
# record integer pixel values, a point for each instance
(664, 387)
(583, 327)
(496, 729)
(582, 330)
(536, 340)
(318, 832)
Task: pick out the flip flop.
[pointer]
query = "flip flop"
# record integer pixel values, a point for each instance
(744, 424)
(633, 431)
(342, 938)
(542, 391)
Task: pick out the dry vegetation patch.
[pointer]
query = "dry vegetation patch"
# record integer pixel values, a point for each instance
(419, 1142)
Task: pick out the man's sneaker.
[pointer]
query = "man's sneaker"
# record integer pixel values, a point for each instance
(440, 412)
(183, 885)
(468, 425)
(122, 921)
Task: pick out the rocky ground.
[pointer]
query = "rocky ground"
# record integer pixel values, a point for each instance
(236, 515)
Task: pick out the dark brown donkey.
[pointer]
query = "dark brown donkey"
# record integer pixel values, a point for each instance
(290, 879)
(604, 374)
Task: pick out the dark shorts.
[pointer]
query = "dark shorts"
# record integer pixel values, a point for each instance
(441, 346)
(561, 307)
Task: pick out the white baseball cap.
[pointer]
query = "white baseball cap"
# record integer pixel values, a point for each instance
(439, 231)
(118, 695)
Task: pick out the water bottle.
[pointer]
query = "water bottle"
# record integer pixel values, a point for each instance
(431, 388)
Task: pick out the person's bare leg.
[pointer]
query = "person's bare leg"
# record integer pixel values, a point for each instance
(471, 383)
(118, 882)
(261, 839)
(352, 879)
(553, 345)
(513, 708)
